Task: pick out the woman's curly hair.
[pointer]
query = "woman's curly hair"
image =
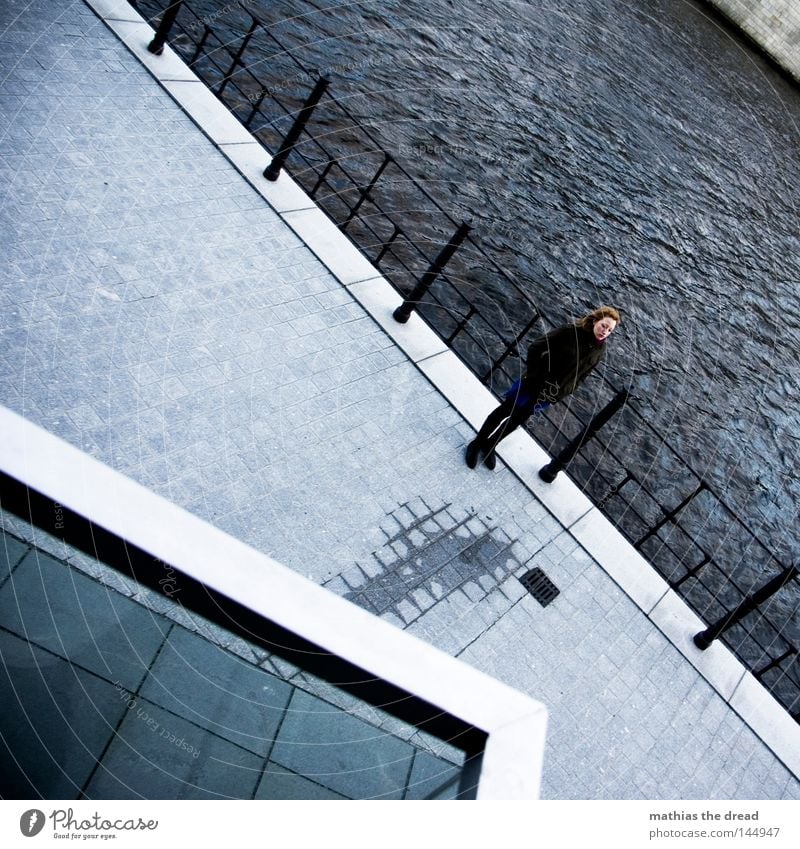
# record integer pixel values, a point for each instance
(589, 321)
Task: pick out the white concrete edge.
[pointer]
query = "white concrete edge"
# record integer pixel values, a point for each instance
(717, 664)
(380, 299)
(115, 10)
(775, 45)
(214, 120)
(200, 104)
(778, 730)
(455, 381)
(503, 775)
(620, 560)
(250, 160)
(111, 500)
(331, 247)
(137, 35)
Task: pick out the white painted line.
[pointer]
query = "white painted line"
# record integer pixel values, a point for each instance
(284, 194)
(116, 10)
(518, 742)
(459, 385)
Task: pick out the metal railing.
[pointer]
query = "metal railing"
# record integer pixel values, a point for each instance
(643, 484)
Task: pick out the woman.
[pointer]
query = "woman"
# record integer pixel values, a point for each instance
(558, 363)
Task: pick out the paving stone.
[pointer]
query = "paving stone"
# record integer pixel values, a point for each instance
(337, 585)
(422, 599)
(417, 538)
(473, 591)
(437, 589)
(408, 612)
(390, 617)
(371, 567)
(512, 589)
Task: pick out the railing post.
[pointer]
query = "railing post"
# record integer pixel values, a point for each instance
(273, 170)
(167, 20)
(703, 639)
(403, 312)
(548, 473)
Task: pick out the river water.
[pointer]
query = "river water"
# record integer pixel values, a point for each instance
(638, 154)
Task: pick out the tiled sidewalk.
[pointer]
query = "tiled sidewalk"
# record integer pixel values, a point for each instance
(159, 314)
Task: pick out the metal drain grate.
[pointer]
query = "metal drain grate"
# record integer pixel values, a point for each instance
(539, 586)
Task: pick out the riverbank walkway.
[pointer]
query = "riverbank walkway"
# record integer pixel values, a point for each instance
(212, 336)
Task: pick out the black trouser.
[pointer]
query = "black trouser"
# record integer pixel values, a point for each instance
(502, 421)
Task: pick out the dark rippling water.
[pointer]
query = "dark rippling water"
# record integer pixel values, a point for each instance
(635, 153)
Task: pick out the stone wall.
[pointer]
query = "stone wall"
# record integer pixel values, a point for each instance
(773, 24)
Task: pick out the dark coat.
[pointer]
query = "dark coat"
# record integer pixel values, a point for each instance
(559, 361)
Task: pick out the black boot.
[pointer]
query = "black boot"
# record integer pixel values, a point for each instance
(490, 459)
(471, 455)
